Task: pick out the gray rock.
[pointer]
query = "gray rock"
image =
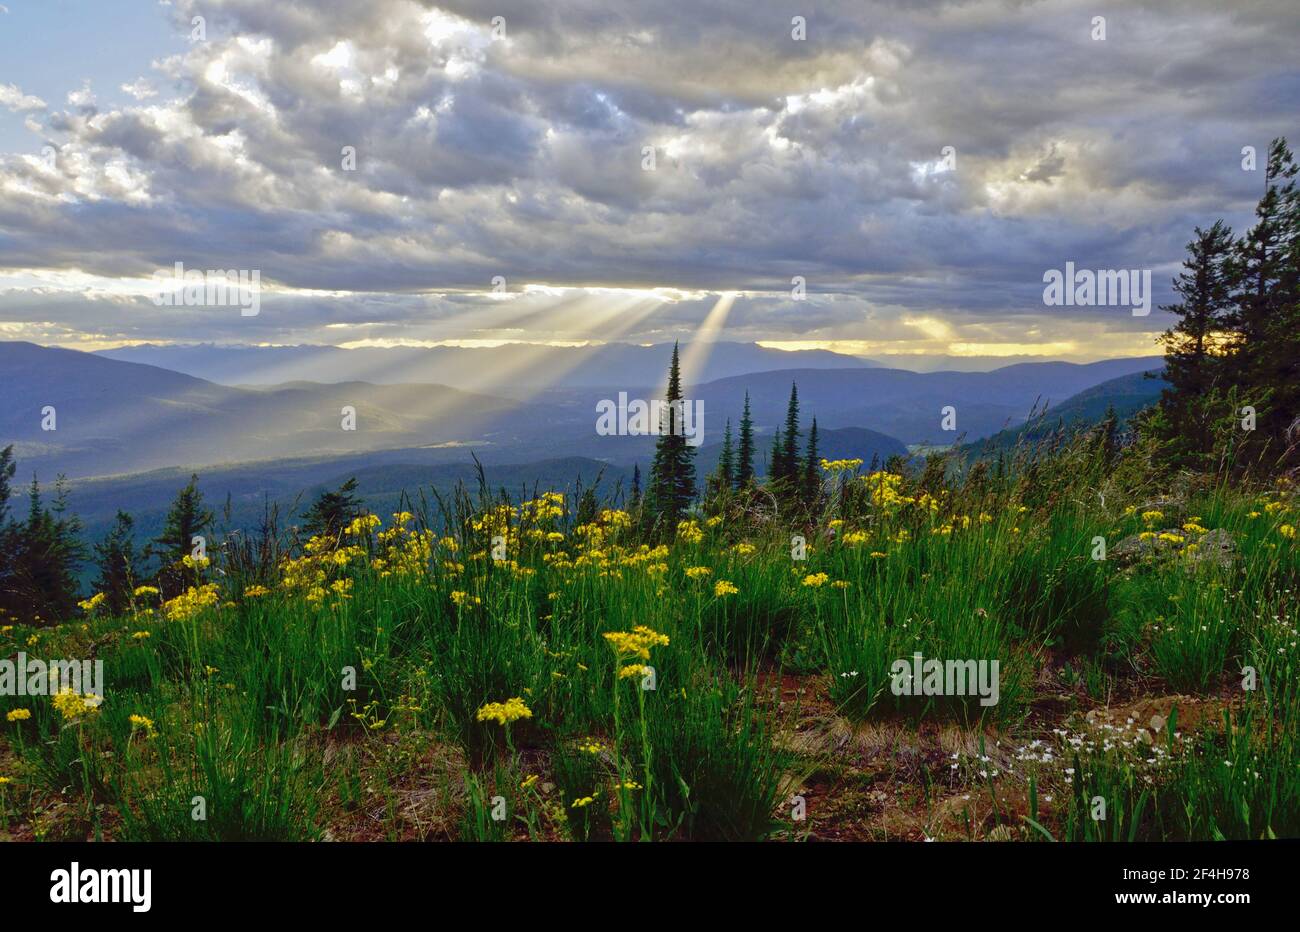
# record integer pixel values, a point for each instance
(1215, 547)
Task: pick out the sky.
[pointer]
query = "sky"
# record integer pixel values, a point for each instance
(879, 178)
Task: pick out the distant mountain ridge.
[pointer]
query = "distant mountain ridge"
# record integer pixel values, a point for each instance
(1127, 395)
(496, 370)
(117, 417)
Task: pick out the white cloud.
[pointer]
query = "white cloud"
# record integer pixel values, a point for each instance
(140, 89)
(522, 157)
(12, 98)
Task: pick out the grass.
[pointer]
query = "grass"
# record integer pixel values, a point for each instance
(740, 687)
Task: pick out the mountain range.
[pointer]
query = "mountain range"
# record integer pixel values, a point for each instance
(129, 434)
(114, 416)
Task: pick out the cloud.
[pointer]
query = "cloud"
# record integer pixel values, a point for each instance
(140, 89)
(519, 150)
(12, 98)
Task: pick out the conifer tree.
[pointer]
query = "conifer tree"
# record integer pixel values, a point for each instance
(811, 481)
(186, 519)
(333, 511)
(117, 561)
(724, 476)
(8, 532)
(1266, 321)
(788, 469)
(672, 473)
(47, 556)
(745, 454)
(1193, 358)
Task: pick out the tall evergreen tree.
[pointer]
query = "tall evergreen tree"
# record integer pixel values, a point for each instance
(724, 476)
(774, 457)
(1194, 345)
(635, 500)
(47, 556)
(745, 455)
(186, 519)
(333, 511)
(1266, 321)
(8, 533)
(811, 479)
(672, 473)
(119, 572)
(788, 468)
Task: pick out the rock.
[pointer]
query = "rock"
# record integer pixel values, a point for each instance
(1215, 547)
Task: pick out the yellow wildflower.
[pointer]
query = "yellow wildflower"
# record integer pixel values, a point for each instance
(503, 713)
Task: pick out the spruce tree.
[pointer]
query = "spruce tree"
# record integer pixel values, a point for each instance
(672, 473)
(1266, 321)
(774, 457)
(745, 455)
(8, 534)
(333, 511)
(727, 459)
(186, 519)
(723, 477)
(47, 556)
(811, 480)
(1193, 362)
(116, 559)
(789, 466)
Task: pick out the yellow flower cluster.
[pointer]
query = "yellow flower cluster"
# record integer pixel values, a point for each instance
(816, 580)
(688, 532)
(190, 602)
(362, 525)
(73, 705)
(838, 466)
(637, 642)
(503, 713)
(91, 604)
(139, 721)
(722, 589)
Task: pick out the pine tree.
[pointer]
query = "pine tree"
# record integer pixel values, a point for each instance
(788, 469)
(811, 480)
(47, 556)
(727, 459)
(672, 473)
(635, 499)
(186, 519)
(745, 455)
(116, 558)
(1193, 360)
(333, 511)
(1266, 321)
(774, 457)
(8, 534)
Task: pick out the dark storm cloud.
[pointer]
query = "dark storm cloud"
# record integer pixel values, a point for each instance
(522, 157)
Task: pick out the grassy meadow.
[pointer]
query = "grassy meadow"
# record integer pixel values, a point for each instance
(496, 670)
